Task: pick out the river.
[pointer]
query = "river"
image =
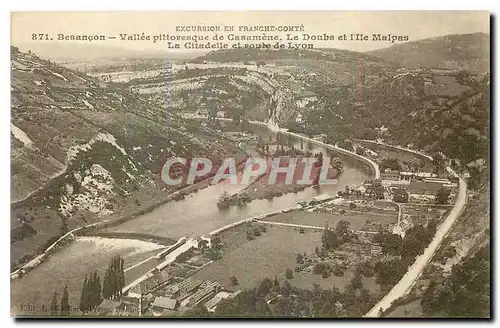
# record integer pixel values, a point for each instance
(196, 215)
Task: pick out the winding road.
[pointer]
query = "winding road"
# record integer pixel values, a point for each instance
(415, 270)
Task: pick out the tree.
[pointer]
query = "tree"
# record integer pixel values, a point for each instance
(443, 196)
(330, 239)
(234, 281)
(316, 250)
(356, 282)
(400, 195)
(431, 228)
(54, 308)
(216, 242)
(114, 279)
(343, 231)
(378, 192)
(360, 151)
(390, 243)
(65, 307)
(96, 299)
(390, 163)
(276, 284)
(289, 274)
(300, 258)
(84, 297)
(64, 226)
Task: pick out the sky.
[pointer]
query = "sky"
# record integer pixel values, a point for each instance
(413, 24)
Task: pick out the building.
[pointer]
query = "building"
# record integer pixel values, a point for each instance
(182, 288)
(211, 305)
(416, 175)
(305, 97)
(164, 303)
(390, 175)
(206, 291)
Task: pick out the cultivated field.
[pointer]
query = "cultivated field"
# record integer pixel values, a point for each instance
(268, 255)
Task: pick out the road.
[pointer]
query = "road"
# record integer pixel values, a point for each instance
(292, 225)
(415, 270)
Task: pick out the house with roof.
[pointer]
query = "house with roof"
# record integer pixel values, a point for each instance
(161, 304)
(208, 290)
(211, 305)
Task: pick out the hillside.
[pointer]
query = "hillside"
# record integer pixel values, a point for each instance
(82, 149)
(457, 51)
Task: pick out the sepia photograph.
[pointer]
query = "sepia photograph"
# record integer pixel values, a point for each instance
(250, 164)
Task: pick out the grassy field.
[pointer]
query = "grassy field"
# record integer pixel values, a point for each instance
(357, 220)
(268, 255)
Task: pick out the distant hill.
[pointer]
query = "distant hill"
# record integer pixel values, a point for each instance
(456, 51)
(60, 52)
(324, 54)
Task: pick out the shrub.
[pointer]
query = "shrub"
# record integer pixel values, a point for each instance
(289, 274)
(301, 230)
(321, 268)
(250, 235)
(338, 272)
(256, 232)
(234, 281)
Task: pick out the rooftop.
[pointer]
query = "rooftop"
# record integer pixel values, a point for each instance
(165, 303)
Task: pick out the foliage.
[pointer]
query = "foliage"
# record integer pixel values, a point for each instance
(321, 268)
(391, 243)
(390, 163)
(54, 307)
(466, 293)
(366, 269)
(388, 273)
(65, 307)
(90, 297)
(114, 279)
(443, 196)
(291, 301)
(400, 195)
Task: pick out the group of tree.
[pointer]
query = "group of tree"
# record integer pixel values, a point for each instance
(390, 163)
(443, 196)
(64, 308)
(400, 195)
(91, 293)
(415, 241)
(114, 279)
(333, 238)
(270, 298)
(465, 293)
